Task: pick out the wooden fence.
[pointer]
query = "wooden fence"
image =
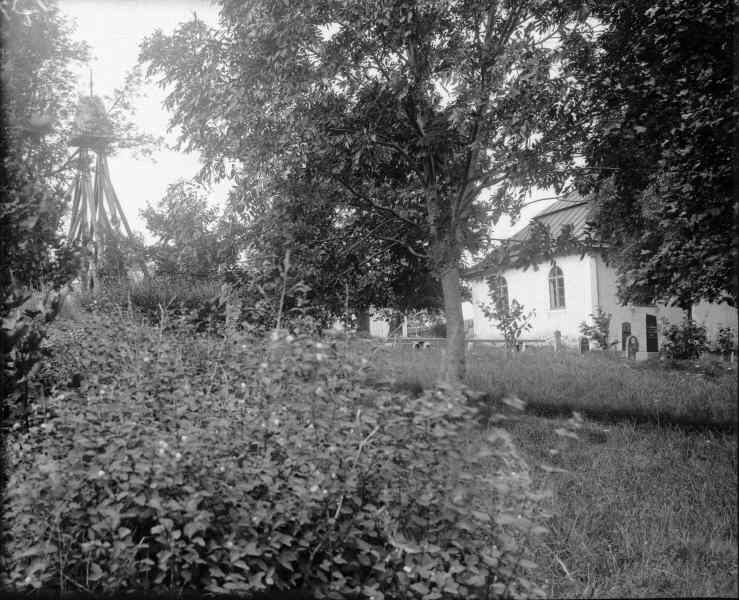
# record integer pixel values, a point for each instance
(435, 341)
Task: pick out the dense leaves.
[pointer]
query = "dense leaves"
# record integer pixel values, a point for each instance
(183, 224)
(198, 462)
(337, 254)
(686, 340)
(657, 113)
(37, 96)
(401, 111)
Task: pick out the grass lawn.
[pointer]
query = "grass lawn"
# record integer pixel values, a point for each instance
(644, 500)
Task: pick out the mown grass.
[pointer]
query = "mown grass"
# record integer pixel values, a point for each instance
(644, 502)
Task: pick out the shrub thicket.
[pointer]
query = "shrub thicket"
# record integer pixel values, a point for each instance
(684, 341)
(193, 462)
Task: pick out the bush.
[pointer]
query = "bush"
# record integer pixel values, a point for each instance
(684, 341)
(240, 465)
(725, 341)
(155, 298)
(24, 315)
(600, 328)
(510, 320)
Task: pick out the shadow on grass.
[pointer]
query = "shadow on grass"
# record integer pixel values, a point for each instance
(613, 416)
(491, 403)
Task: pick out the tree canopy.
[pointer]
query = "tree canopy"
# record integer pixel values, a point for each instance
(187, 243)
(656, 106)
(38, 100)
(409, 110)
(339, 257)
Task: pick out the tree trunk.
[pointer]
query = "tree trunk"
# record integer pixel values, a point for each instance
(455, 360)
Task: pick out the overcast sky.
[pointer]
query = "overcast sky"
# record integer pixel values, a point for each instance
(114, 30)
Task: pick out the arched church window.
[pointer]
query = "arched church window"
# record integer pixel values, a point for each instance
(499, 287)
(556, 288)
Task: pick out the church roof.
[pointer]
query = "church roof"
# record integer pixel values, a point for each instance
(572, 209)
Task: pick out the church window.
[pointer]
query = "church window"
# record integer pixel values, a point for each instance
(499, 287)
(556, 288)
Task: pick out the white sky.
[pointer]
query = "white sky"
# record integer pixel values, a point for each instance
(114, 29)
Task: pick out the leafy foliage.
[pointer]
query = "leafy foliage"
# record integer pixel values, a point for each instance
(37, 56)
(726, 341)
(336, 256)
(655, 104)
(683, 341)
(400, 112)
(599, 329)
(183, 223)
(23, 348)
(510, 319)
(242, 465)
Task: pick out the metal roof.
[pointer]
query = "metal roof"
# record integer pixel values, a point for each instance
(572, 210)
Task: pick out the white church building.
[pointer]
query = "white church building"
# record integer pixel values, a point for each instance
(565, 294)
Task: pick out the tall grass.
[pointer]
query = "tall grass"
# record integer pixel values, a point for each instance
(598, 384)
(645, 513)
(636, 511)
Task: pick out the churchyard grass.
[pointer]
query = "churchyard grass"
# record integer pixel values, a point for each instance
(640, 492)
(644, 500)
(598, 384)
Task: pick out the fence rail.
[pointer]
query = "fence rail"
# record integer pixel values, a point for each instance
(413, 340)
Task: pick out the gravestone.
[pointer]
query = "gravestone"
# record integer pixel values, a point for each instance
(633, 347)
(584, 345)
(363, 322)
(625, 334)
(652, 342)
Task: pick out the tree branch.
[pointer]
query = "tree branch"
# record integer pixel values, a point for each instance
(373, 204)
(405, 245)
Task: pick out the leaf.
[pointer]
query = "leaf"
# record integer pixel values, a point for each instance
(527, 564)
(35, 550)
(95, 572)
(481, 516)
(420, 587)
(192, 528)
(251, 549)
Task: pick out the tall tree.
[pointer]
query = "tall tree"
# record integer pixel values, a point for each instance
(410, 109)
(185, 227)
(339, 256)
(38, 101)
(656, 110)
